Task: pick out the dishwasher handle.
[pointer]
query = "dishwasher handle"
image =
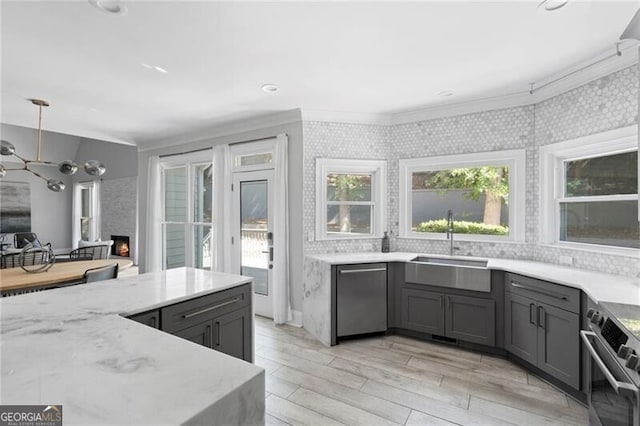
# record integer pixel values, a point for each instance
(357, 271)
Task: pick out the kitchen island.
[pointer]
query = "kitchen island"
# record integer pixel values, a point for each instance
(74, 346)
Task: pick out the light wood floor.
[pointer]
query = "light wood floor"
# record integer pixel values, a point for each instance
(396, 380)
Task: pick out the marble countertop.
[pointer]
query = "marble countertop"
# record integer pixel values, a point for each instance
(598, 286)
(73, 346)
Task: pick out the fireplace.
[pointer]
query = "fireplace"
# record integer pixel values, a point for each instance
(120, 246)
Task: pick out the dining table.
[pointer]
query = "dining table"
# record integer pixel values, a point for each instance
(17, 280)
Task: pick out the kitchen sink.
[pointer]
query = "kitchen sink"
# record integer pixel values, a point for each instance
(450, 272)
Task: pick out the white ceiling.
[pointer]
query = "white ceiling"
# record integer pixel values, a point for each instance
(362, 57)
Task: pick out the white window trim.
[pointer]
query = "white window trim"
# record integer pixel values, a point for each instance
(378, 170)
(514, 159)
(552, 156)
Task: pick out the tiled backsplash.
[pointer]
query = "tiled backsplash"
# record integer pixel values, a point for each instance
(607, 103)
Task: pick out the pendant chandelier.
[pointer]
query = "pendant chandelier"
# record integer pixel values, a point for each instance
(67, 167)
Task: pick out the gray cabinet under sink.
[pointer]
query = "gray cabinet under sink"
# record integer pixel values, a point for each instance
(466, 318)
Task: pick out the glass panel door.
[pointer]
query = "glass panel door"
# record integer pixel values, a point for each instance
(252, 245)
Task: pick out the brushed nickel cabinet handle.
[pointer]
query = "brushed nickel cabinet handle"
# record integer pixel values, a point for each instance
(535, 290)
(211, 308)
(357, 271)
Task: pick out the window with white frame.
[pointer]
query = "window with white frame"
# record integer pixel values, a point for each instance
(485, 192)
(589, 190)
(187, 222)
(87, 210)
(350, 198)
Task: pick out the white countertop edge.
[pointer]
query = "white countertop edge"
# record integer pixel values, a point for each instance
(617, 288)
(196, 294)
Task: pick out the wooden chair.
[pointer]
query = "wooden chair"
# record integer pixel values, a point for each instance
(90, 253)
(100, 274)
(31, 258)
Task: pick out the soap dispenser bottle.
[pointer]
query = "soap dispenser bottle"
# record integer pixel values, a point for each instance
(385, 243)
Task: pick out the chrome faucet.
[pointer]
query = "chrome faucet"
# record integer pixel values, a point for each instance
(450, 231)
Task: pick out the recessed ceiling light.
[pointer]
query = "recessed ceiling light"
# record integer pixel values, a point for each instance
(155, 68)
(269, 88)
(446, 93)
(93, 109)
(551, 5)
(109, 6)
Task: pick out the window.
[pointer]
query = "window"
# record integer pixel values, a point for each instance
(249, 156)
(87, 210)
(187, 224)
(484, 191)
(350, 198)
(590, 188)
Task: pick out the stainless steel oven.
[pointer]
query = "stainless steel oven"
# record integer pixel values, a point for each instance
(613, 398)
(613, 344)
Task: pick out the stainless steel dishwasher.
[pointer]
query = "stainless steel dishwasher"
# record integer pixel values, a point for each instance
(361, 299)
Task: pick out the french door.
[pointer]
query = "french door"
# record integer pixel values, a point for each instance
(252, 234)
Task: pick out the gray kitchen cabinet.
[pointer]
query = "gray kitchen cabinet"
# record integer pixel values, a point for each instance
(422, 311)
(542, 326)
(467, 318)
(471, 319)
(521, 329)
(221, 321)
(232, 334)
(559, 344)
(199, 333)
(150, 318)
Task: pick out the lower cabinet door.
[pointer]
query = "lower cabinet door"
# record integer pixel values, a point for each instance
(559, 344)
(201, 334)
(521, 329)
(232, 334)
(471, 319)
(423, 311)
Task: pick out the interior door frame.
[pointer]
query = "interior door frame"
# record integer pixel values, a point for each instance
(263, 304)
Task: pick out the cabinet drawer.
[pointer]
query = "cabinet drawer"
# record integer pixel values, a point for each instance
(557, 295)
(191, 312)
(150, 318)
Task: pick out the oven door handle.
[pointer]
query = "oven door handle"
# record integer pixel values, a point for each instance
(621, 388)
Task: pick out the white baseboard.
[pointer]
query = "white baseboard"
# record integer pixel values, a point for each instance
(297, 319)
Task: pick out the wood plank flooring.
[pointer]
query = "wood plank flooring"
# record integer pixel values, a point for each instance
(393, 380)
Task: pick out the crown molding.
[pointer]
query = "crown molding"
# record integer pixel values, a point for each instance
(553, 85)
(465, 107)
(226, 129)
(584, 72)
(346, 117)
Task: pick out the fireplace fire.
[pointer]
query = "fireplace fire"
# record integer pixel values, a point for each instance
(120, 245)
